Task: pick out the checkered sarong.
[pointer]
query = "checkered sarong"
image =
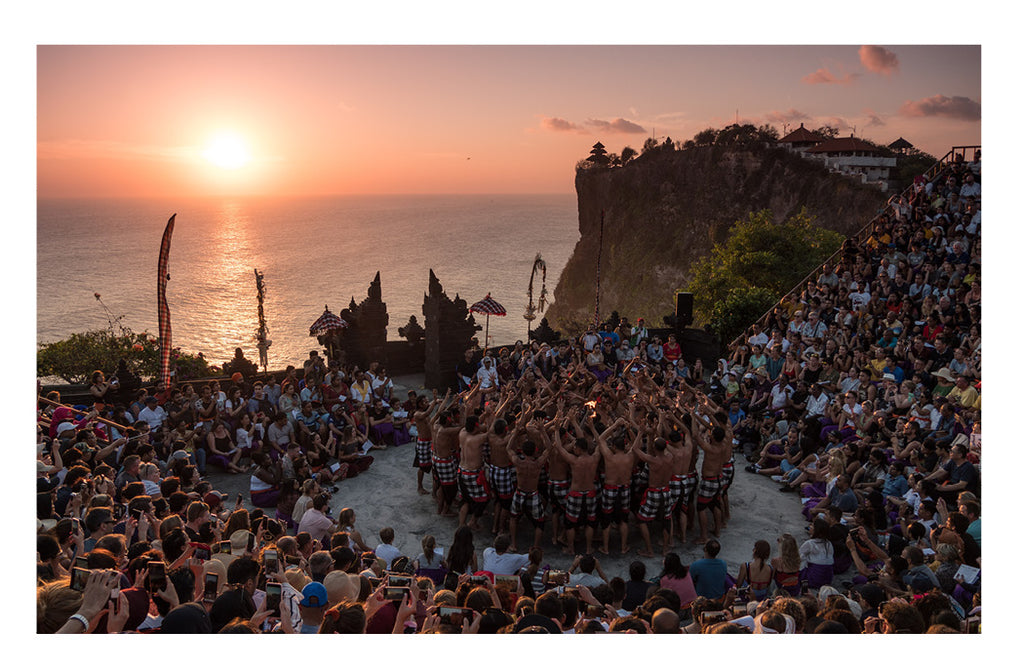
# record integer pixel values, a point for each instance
(422, 458)
(688, 483)
(728, 475)
(529, 503)
(675, 491)
(558, 490)
(654, 504)
(502, 480)
(709, 489)
(615, 498)
(474, 485)
(444, 469)
(578, 504)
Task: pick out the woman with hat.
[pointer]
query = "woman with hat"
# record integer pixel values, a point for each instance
(944, 382)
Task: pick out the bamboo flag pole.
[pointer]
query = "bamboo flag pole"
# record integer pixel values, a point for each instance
(98, 420)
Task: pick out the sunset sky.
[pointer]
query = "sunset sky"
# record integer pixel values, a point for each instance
(294, 120)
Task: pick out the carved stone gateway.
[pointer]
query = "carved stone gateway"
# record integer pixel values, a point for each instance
(449, 331)
(366, 336)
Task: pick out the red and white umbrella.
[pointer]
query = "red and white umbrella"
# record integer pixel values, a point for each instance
(488, 306)
(327, 323)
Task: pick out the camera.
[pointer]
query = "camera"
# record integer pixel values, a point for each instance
(78, 578)
(453, 615)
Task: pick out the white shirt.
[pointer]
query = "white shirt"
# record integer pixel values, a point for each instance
(816, 551)
(507, 563)
(817, 405)
(588, 580)
(758, 339)
(154, 417)
(859, 299)
(387, 552)
(488, 377)
(780, 394)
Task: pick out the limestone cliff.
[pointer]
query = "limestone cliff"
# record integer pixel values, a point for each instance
(667, 208)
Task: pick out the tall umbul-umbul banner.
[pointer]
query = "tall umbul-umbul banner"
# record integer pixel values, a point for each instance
(163, 312)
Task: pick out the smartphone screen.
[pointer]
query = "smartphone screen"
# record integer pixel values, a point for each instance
(210, 588)
(157, 577)
(509, 581)
(396, 580)
(81, 561)
(451, 615)
(78, 578)
(224, 547)
(395, 593)
(252, 542)
(270, 565)
(273, 598)
(202, 553)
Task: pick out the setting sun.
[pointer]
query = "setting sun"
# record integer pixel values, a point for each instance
(227, 151)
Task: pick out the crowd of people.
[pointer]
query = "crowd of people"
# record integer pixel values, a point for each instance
(860, 394)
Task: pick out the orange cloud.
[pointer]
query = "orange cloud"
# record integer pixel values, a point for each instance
(619, 125)
(788, 116)
(559, 125)
(957, 107)
(873, 119)
(824, 76)
(878, 60)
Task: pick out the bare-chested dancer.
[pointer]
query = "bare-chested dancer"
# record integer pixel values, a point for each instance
(527, 500)
(445, 431)
(472, 480)
(501, 474)
(558, 487)
(581, 502)
(422, 419)
(655, 502)
(684, 473)
(716, 452)
(618, 468)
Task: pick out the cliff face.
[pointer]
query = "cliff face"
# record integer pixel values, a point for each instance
(666, 209)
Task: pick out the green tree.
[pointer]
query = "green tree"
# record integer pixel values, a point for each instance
(705, 138)
(758, 254)
(742, 306)
(909, 166)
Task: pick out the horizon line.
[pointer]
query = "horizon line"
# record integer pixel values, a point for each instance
(312, 195)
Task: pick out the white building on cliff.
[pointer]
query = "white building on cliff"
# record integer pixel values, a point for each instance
(849, 156)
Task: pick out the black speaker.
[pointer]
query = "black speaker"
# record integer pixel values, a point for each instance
(684, 309)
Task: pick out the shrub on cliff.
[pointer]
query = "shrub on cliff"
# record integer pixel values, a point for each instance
(758, 263)
(77, 356)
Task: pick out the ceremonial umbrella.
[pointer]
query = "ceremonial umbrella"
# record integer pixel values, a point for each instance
(488, 306)
(327, 323)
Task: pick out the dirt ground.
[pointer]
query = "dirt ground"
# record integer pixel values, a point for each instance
(385, 495)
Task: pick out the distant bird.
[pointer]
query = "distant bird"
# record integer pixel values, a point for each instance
(468, 157)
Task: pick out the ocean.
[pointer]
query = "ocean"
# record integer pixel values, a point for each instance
(312, 252)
